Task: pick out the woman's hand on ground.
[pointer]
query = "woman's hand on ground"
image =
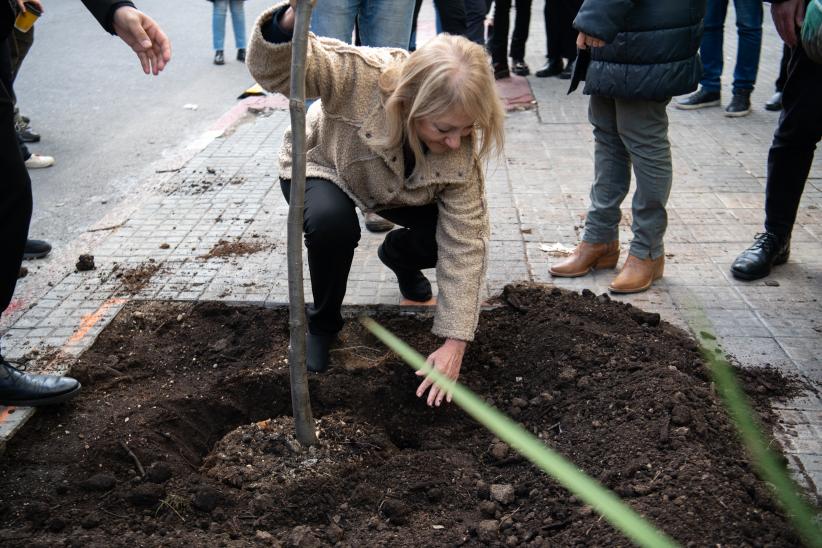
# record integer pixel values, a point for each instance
(144, 36)
(447, 360)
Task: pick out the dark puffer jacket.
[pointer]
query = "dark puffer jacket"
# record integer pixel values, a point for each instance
(651, 51)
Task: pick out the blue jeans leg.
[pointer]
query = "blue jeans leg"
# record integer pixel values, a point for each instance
(238, 22)
(386, 23)
(749, 31)
(711, 48)
(218, 23)
(335, 19)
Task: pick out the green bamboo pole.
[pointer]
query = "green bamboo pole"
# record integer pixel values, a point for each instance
(606, 503)
(300, 399)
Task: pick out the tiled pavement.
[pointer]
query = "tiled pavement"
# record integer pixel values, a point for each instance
(537, 194)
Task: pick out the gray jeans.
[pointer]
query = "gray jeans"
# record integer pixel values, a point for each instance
(627, 132)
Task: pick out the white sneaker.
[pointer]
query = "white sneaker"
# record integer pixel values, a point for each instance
(38, 161)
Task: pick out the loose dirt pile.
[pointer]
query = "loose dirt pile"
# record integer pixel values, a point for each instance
(197, 397)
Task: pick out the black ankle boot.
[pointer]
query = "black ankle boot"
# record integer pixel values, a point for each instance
(29, 390)
(219, 58)
(768, 250)
(241, 55)
(317, 349)
(414, 286)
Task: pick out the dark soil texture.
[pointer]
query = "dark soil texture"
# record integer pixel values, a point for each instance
(182, 436)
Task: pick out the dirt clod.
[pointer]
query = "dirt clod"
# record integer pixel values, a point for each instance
(85, 262)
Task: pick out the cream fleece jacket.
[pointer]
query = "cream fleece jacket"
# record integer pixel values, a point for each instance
(342, 132)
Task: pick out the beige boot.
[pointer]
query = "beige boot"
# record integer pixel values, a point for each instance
(585, 257)
(638, 274)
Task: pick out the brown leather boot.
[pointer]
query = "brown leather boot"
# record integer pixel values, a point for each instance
(585, 257)
(637, 274)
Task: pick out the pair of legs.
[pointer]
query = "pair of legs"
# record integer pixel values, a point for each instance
(499, 38)
(332, 233)
(221, 7)
(457, 17)
(561, 36)
(749, 31)
(381, 23)
(627, 132)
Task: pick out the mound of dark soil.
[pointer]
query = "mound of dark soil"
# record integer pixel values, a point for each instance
(182, 436)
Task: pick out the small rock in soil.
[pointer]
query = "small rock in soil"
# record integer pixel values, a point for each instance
(90, 521)
(502, 493)
(681, 415)
(303, 537)
(487, 530)
(263, 536)
(499, 450)
(482, 490)
(568, 374)
(394, 510)
(205, 498)
(262, 504)
(488, 508)
(334, 533)
(519, 402)
(85, 262)
(146, 495)
(98, 482)
(158, 472)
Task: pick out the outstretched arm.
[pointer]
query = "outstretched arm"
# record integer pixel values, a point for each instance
(144, 36)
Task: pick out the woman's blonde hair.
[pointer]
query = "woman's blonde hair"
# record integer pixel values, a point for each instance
(447, 73)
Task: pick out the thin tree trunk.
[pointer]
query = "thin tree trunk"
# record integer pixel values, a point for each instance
(300, 400)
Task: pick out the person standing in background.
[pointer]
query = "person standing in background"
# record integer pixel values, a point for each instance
(560, 37)
(221, 7)
(749, 32)
(499, 38)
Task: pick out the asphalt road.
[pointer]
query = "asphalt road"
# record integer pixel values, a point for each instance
(106, 122)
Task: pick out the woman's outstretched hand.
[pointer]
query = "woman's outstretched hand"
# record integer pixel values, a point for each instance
(446, 360)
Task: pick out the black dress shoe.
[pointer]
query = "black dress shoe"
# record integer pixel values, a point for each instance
(414, 286)
(768, 250)
(520, 67)
(28, 136)
(317, 349)
(219, 58)
(551, 68)
(29, 390)
(501, 71)
(775, 102)
(241, 55)
(36, 249)
(568, 71)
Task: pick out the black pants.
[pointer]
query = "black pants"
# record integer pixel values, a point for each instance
(499, 40)
(452, 16)
(15, 190)
(783, 68)
(332, 232)
(794, 143)
(559, 18)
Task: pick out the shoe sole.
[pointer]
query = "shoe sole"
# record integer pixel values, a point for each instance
(773, 108)
(738, 114)
(60, 398)
(30, 256)
(716, 103)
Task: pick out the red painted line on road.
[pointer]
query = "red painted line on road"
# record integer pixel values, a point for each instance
(241, 109)
(14, 306)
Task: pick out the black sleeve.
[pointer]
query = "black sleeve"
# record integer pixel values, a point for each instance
(273, 32)
(103, 11)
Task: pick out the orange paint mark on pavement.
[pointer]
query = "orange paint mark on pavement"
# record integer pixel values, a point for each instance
(91, 320)
(6, 413)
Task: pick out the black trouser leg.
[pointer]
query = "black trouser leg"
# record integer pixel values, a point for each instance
(414, 246)
(794, 143)
(452, 16)
(15, 195)
(499, 40)
(332, 232)
(783, 68)
(475, 12)
(520, 34)
(559, 18)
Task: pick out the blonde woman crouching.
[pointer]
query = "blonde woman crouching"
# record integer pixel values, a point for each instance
(403, 135)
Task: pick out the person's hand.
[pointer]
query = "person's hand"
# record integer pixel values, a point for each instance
(145, 37)
(36, 3)
(787, 17)
(585, 41)
(446, 360)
